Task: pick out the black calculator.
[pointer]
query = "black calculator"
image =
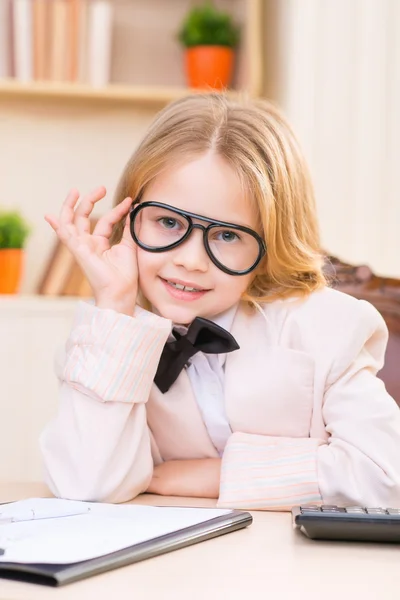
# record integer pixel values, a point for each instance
(350, 523)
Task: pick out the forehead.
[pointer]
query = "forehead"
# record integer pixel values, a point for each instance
(207, 185)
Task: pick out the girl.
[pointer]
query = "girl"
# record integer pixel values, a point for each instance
(270, 401)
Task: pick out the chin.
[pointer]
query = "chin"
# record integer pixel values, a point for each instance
(178, 314)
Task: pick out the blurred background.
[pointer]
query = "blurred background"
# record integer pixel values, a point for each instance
(332, 65)
(80, 85)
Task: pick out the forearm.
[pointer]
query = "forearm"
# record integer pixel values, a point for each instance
(96, 451)
(271, 473)
(368, 475)
(198, 478)
(98, 447)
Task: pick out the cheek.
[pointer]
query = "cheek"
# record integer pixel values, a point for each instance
(233, 287)
(149, 264)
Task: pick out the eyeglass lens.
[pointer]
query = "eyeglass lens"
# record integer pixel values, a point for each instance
(159, 227)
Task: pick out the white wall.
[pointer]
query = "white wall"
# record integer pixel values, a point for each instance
(47, 148)
(338, 81)
(34, 328)
(332, 64)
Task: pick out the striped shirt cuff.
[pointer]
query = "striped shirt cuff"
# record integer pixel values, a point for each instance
(271, 473)
(112, 356)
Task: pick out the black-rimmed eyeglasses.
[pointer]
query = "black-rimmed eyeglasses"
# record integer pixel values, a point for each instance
(158, 227)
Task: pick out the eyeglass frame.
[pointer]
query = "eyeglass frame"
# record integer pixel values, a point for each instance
(191, 226)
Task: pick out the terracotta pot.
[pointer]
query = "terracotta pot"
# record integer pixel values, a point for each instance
(209, 66)
(11, 263)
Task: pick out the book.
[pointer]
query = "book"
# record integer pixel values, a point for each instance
(22, 39)
(41, 30)
(58, 45)
(62, 275)
(82, 34)
(100, 14)
(72, 49)
(76, 283)
(56, 271)
(5, 38)
(58, 544)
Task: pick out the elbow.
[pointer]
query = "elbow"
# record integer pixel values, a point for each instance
(391, 491)
(95, 488)
(76, 480)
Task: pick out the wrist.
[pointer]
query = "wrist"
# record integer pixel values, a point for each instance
(125, 306)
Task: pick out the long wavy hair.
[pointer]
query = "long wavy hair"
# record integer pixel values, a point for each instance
(256, 140)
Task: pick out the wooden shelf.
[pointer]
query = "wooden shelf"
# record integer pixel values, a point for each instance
(164, 57)
(131, 94)
(113, 93)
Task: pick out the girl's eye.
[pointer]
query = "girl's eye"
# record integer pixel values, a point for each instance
(227, 236)
(168, 222)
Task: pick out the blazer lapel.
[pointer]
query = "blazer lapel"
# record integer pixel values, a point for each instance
(176, 423)
(268, 384)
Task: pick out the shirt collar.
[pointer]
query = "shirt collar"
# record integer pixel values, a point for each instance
(224, 320)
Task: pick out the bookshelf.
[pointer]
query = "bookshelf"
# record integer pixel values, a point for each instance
(113, 93)
(147, 61)
(64, 133)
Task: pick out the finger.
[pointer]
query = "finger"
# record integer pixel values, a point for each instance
(52, 221)
(106, 224)
(126, 234)
(63, 233)
(68, 207)
(85, 208)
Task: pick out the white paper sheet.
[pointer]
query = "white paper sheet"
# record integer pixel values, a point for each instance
(106, 528)
(41, 508)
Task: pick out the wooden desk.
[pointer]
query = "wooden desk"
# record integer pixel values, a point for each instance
(268, 560)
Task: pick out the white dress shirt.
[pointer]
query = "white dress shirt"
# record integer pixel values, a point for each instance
(206, 374)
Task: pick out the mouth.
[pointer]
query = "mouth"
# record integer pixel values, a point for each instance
(185, 286)
(184, 290)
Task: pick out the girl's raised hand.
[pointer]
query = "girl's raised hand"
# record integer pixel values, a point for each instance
(111, 270)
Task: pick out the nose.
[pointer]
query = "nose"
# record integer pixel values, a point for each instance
(191, 255)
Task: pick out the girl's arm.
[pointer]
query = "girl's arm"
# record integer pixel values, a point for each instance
(360, 463)
(98, 446)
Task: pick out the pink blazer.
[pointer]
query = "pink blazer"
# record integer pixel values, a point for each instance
(310, 420)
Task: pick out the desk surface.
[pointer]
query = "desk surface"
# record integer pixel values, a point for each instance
(267, 560)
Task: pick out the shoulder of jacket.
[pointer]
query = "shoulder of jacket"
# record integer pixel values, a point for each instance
(328, 308)
(330, 325)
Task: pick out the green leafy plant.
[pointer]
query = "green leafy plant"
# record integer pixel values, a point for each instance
(13, 230)
(205, 25)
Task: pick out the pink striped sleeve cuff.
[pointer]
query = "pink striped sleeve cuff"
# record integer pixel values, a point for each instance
(112, 356)
(271, 473)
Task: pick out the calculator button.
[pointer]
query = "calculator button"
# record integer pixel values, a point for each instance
(376, 511)
(393, 511)
(355, 510)
(332, 509)
(310, 509)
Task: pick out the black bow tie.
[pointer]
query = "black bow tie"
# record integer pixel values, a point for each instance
(202, 336)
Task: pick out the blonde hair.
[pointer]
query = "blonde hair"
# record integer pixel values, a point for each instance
(256, 140)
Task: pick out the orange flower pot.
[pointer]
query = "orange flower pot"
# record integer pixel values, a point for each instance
(209, 66)
(11, 263)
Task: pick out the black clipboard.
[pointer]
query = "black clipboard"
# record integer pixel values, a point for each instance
(56, 575)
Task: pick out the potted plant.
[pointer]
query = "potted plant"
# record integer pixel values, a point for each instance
(13, 233)
(210, 38)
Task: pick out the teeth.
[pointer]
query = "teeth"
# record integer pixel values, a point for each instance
(182, 287)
